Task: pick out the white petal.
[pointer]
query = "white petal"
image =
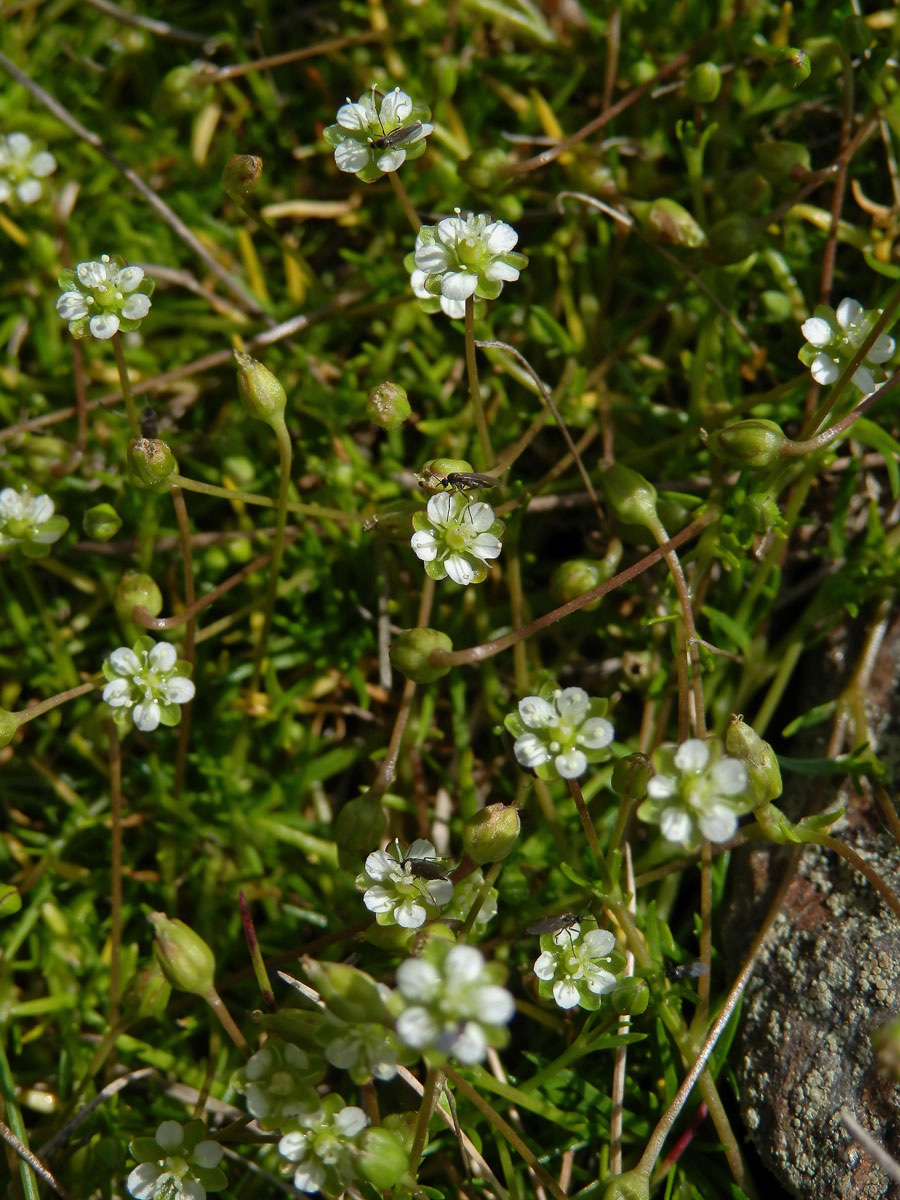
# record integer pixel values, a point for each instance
(381, 866)
(692, 756)
(125, 662)
(71, 306)
(718, 823)
(599, 981)
(128, 278)
(572, 704)
(676, 825)
(571, 764)
(432, 258)
(141, 1183)
(409, 915)
(395, 108)
(421, 848)
(169, 1136)
(179, 690)
(117, 693)
(391, 159)
(163, 656)
(453, 308)
(293, 1146)
(192, 1189)
(480, 515)
(545, 965)
(28, 191)
(470, 1044)
(352, 156)
(729, 775)
(661, 787)
(817, 332)
(440, 891)
(565, 993)
(416, 282)
(498, 269)
(495, 1005)
(104, 326)
(352, 116)
(207, 1155)
(536, 712)
(824, 369)
(864, 380)
(451, 229)
(459, 569)
(848, 312)
(5, 193)
(136, 307)
(380, 899)
(146, 716)
(881, 349)
(485, 546)
(41, 509)
(19, 145)
(350, 1121)
(309, 1176)
(463, 964)
(500, 237)
(595, 733)
(424, 545)
(458, 285)
(417, 1028)
(418, 980)
(93, 274)
(598, 943)
(42, 164)
(530, 751)
(439, 508)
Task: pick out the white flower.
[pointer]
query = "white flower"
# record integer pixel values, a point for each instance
(278, 1083)
(834, 336)
(569, 966)
(325, 1149)
(697, 793)
(397, 890)
(28, 521)
(462, 257)
(464, 893)
(22, 166)
(370, 139)
(450, 1002)
(176, 1164)
(456, 537)
(558, 737)
(366, 1049)
(104, 297)
(147, 682)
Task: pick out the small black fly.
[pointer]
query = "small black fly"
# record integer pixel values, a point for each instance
(397, 137)
(149, 423)
(691, 970)
(426, 868)
(554, 924)
(461, 481)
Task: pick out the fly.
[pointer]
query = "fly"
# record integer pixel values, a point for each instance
(554, 924)
(397, 137)
(691, 970)
(426, 868)
(462, 481)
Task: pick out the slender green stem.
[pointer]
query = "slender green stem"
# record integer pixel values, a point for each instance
(285, 453)
(233, 494)
(433, 1080)
(690, 629)
(588, 826)
(187, 558)
(215, 1002)
(125, 383)
(484, 438)
(489, 880)
(16, 1124)
(115, 890)
(37, 710)
(406, 204)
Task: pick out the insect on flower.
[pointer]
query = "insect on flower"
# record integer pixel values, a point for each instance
(397, 137)
(554, 924)
(459, 481)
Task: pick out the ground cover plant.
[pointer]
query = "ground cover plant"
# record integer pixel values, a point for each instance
(434, 437)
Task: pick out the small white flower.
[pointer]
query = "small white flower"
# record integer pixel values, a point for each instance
(558, 737)
(456, 537)
(462, 257)
(324, 1150)
(28, 522)
(697, 793)
(177, 1163)
(278, 1084)
(104, 297)
(834, 336)
(371, 139)
(147, 684)
(451, 1002)
(398, 892)
(22, 167)
(574, 965)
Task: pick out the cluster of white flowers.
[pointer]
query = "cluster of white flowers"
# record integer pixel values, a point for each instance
(278, 1083)
(557, 736)
(370, 139)
(177, 1164)
(834, 336)
(456, 537)
(29, 522)
(147, 684)
(22, 167)
(462, 257)
(698, 792)
(104, 297)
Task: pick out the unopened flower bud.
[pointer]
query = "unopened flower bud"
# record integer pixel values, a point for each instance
(147, 994)
(185, 89)
(631, 775)
(136, 588)
(410, 654)
(9, 723)
(10, 900)
(349, 993)
(150, 463)
(186, 960)
(744, 743)
(669, 221)
(491, 833)
(630, 497)
(261, 393)
(446, 466)
(734, 238)
(633, 1185)
(388, 405)
(382, 1158)
(755, 443)
(579, 575)
(101, 522)
(242, 175)
(358, 830)
(703, 83)
(792, 66)
(630, 996)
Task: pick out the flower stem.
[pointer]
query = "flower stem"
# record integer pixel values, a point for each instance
(433, 1080)
(115, 894)
(37, 710)
(484, 438)
(125, 382)
(215, 1002)
(309, 510)
(187, 557)
(588, 826)
(489, 880)
(285, 453)
(406, 204)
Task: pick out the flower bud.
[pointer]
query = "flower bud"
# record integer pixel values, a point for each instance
(703, 83)
(630, 996)
(447, 466)
(734, 238)
(669, 221)
(579, 575)
(792, 66)
(242, 175)
(491, 833)
(358, 830)
(382, 1159)
(349, 993)
(744, 743)
(410, 652)
(388, 405)
(147, 994)
(9, 723)
(393, 520)
(755, 443)
(630, 497)
(150, 463)
(10, 900)
(260, 391)
(101, 522)
(631, 775)
(135, 588)
(186, 960)
(780, 159)
(185, 89)
(633, 1185)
